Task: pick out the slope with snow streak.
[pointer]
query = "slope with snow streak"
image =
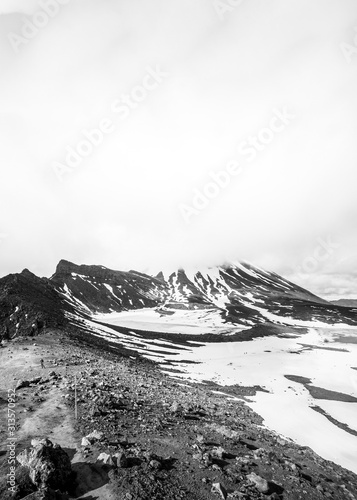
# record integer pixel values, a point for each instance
(287, 408)
(153, 349)
(241, 294)
(104, 290)
(248, 295)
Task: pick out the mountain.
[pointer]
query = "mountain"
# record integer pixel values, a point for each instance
(345, 302)
(239, 293)
(242, 293)
(28, 304)
(98, 289)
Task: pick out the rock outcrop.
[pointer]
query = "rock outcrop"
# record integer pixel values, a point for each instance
(48, 464)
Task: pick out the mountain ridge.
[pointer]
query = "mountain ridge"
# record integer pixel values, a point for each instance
(242, 293)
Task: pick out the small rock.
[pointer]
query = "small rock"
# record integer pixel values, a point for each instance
(94, 411)
(35, 442)
(155, 464)
(218, 488)
(176, 407)
(219, 452)
(235, 495)
(35, 380)
(260, 483)
(85, 442)
(207, 458)
(200, 438)
(120, 459)
(22, 383)
(95, 436)
(107, 459)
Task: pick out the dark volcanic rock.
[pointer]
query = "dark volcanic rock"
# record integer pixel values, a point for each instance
(104, 290)
(29, 305)
(49, 465)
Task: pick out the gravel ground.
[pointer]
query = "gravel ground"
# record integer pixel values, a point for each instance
(161, 438)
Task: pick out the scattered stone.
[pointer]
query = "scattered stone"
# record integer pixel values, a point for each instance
(22, 383)
(260, 483)
(95, 436)
(225, 431)
(35, 442)
(120, 460)
(200, 438)
(155, 464)
(107, 459)
(218, 488)
(35, 380)
(235, 495)
(85, 442)
(207, 458)
(218, 452)
(176, 407)
(94, 411)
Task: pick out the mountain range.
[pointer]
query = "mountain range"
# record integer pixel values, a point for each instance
(241, 294)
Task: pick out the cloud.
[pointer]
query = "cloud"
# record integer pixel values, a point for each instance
(18, 6)
(120, 206)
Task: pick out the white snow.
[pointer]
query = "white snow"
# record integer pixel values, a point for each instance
(188, 322)
(343, 412)
(108, 287)
(72, 299)
(286, 408)
(286, 320)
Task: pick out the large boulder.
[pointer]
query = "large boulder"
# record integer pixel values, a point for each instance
(49, 465)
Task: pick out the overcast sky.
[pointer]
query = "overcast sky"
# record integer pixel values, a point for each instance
(263, 90)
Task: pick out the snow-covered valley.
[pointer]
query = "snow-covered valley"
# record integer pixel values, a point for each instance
(316, 406)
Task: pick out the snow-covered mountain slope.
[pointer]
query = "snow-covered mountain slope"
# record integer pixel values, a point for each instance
(238, 294)
(249, 295)
(98, 289)
(243, 294)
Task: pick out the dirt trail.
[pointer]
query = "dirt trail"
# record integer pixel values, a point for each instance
(51, 417)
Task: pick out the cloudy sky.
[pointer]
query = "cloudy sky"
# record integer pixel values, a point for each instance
(154, 134)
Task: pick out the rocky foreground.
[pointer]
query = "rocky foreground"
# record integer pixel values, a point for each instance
(142, 435)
